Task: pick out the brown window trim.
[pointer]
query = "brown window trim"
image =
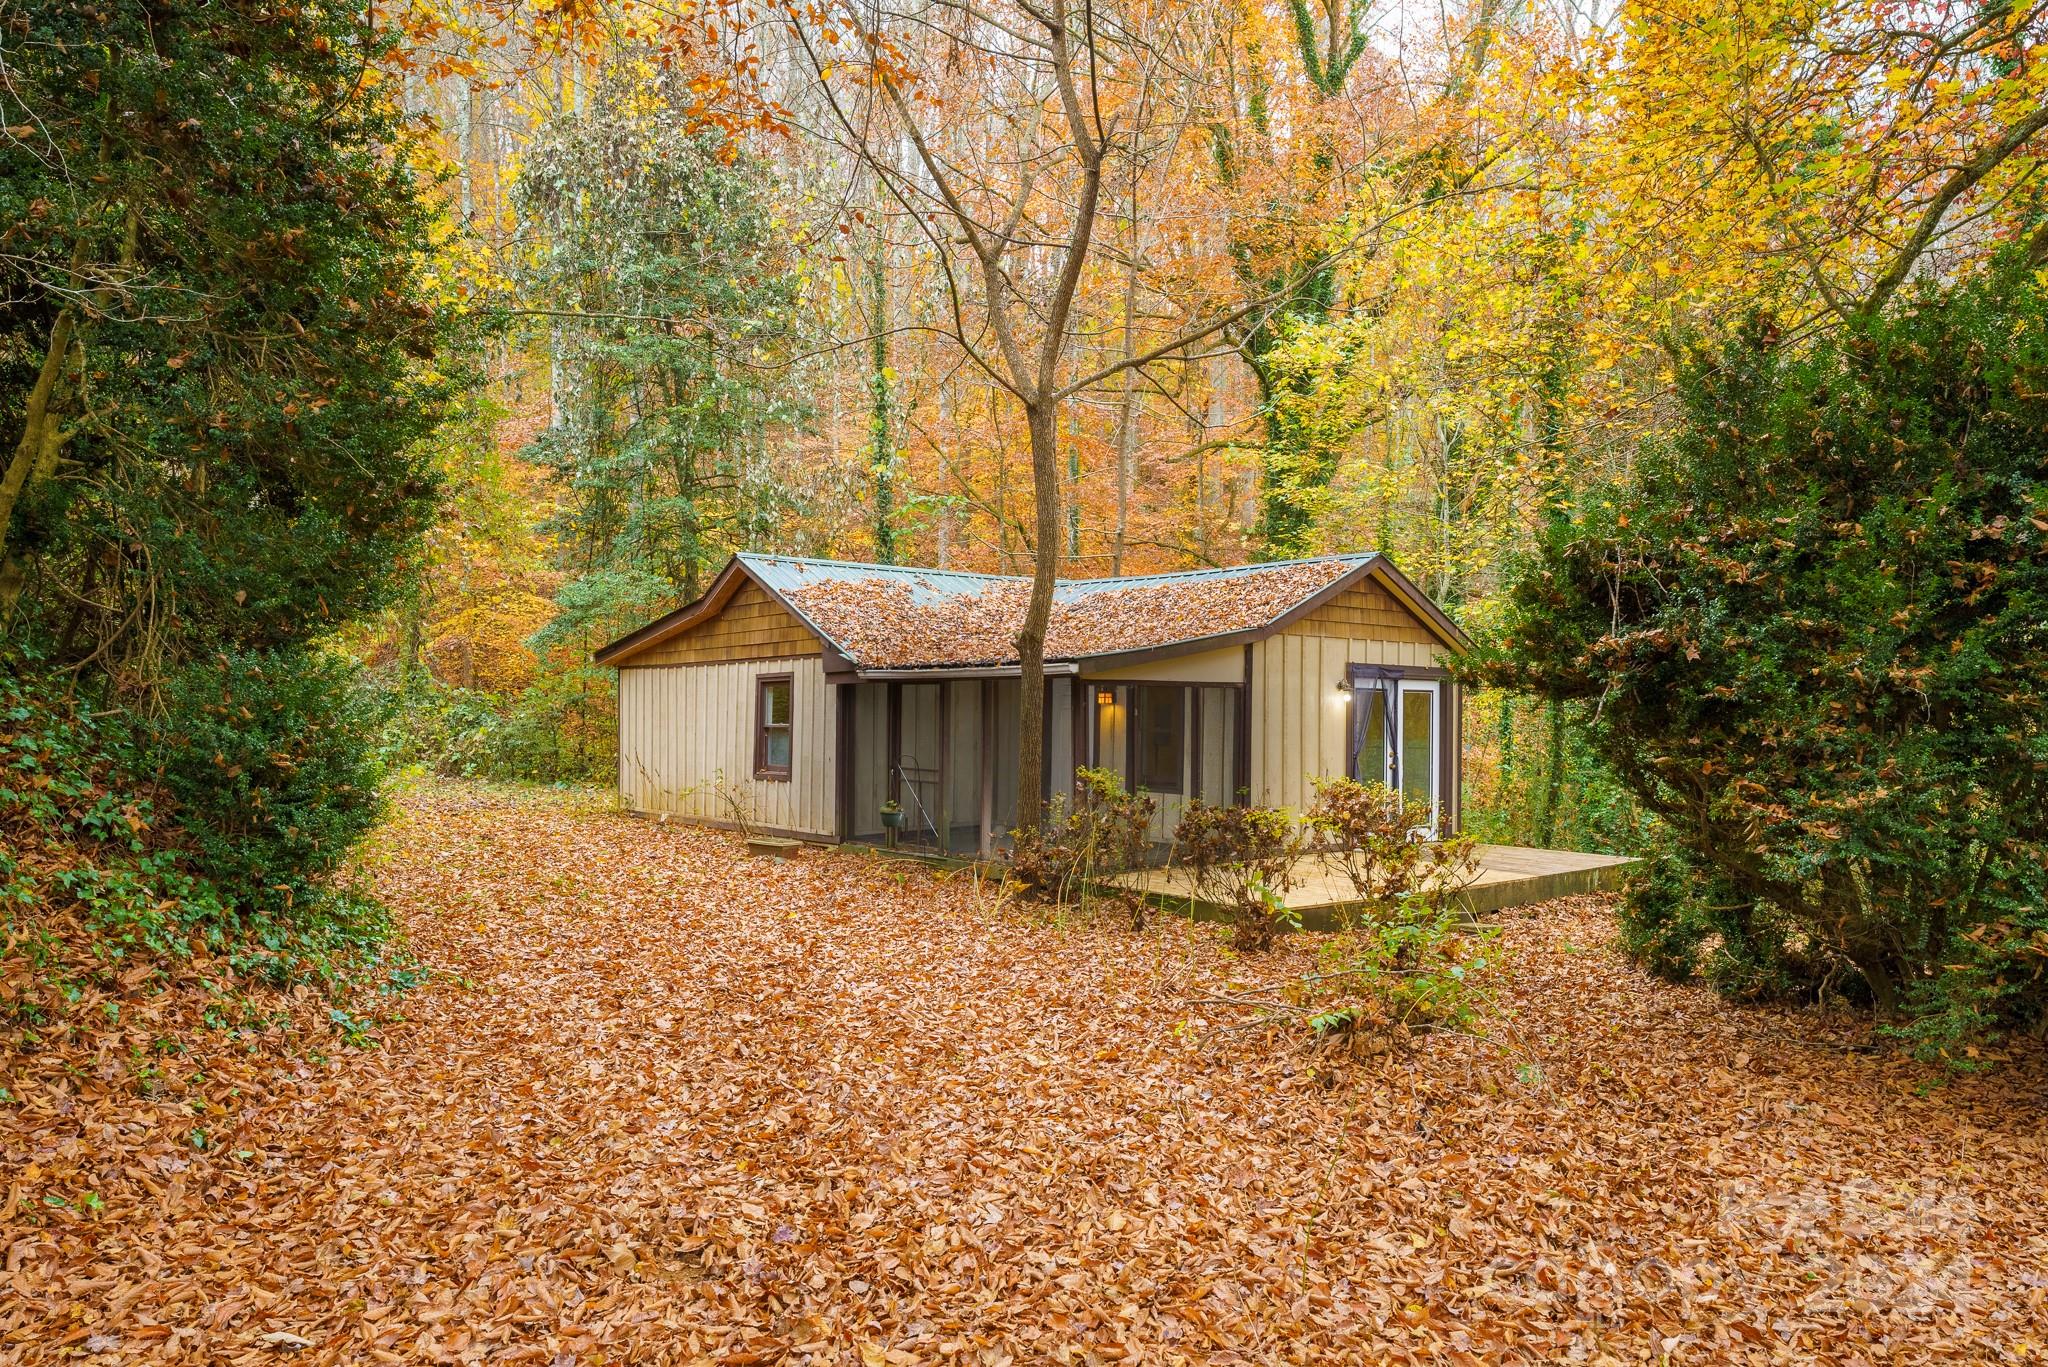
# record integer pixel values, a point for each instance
(778, 773)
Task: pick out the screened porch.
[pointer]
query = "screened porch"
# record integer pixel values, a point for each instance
(944, 751)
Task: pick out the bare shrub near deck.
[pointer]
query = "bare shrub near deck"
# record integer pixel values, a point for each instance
(1370, 832)
(1101, 834)
(1242, 859)
(1422, 969)
(1419, 969)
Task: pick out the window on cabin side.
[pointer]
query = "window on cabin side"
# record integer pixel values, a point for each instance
(772, 730)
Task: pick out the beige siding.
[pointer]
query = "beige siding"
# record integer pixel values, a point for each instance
(1208, 666)
(1300, 720)
(686, 744)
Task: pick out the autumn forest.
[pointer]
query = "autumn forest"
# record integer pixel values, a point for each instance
(1666, 381)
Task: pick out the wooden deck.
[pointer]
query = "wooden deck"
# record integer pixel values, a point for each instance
(1509, 876)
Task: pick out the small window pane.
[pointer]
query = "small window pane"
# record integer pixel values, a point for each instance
(1418, 745)
(1372, 745)
(772, 729)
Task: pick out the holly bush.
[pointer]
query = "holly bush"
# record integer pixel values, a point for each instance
(1814, 625)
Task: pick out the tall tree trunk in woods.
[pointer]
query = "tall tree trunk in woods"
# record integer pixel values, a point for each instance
(1073, 502)
(1002, 491)
(1126, 426)
(881, 442)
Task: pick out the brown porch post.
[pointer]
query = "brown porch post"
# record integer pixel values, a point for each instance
(844, 796)
(892, 787)
(1244, 734)
(1083, 727)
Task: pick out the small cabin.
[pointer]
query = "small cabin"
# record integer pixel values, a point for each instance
(799, 696)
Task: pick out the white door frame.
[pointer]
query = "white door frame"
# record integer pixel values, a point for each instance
(1435, 690)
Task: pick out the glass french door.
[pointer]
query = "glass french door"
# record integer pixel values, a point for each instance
(1418, 751)
(1397, 742)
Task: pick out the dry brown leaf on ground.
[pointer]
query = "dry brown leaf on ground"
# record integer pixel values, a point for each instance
(663, 1102)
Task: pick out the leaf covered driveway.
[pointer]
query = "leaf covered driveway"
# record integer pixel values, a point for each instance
(664, 1102)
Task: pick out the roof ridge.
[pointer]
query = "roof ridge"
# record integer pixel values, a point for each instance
(1346, 557)
(874, 565)
(1097, 581)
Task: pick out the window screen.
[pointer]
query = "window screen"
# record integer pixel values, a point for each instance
(1159, 730)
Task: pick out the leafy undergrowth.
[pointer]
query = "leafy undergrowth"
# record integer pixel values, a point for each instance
(667, 1103)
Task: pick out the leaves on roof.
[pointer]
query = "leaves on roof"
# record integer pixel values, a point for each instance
(890, 621)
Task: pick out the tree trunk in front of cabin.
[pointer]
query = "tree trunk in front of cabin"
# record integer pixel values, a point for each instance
(1042, 418)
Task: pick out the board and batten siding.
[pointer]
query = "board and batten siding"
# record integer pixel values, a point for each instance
(1300, 719)
(686, 744)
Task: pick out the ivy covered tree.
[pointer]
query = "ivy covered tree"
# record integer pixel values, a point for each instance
(1299, 456)
(667, 282)
(214, 330)
(1814, 631)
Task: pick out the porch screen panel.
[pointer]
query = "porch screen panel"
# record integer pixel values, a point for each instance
(963, 765)
(1005, 757)
(917, 762)
(1217, 778)
(1059, 738)
(1158, 722)
(870, 757)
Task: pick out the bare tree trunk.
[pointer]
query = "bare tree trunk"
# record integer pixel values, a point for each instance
(1002, 489)
(1126, 425)
(1043, 421)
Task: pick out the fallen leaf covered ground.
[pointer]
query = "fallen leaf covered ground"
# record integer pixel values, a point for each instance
(664, 1102)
